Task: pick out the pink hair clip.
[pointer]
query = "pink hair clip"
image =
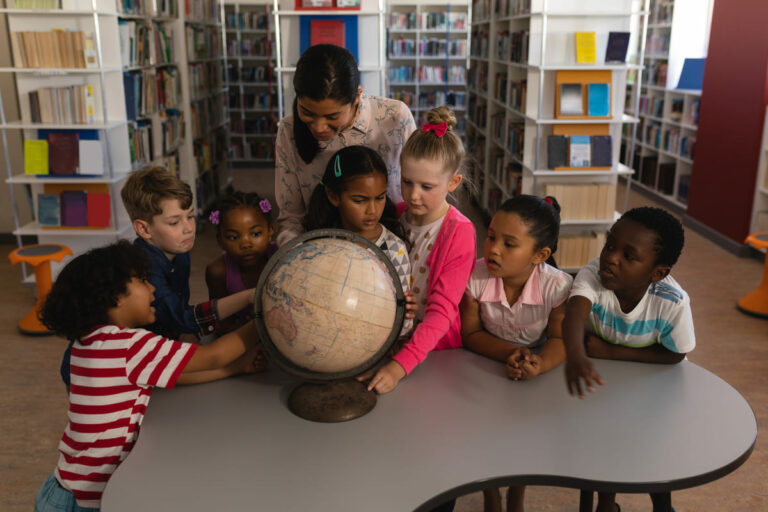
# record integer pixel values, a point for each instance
(265, 206)
(439, 128)
(214, 217)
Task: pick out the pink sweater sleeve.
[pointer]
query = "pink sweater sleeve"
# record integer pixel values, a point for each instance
(445, 293)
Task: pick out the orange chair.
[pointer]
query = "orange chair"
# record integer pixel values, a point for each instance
(756, 303)
(40, 257)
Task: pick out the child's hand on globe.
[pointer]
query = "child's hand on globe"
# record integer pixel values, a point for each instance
(385, 379)
(410, 304)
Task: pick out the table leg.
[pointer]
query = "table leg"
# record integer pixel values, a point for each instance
(662, 501)
(585, 501)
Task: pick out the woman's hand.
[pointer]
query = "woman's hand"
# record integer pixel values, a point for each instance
(385, 379)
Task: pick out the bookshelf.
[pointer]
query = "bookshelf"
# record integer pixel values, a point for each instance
(82, 92)
(676, 29)
(522, 52)
(428, 55)
(205, 91)
(760, 206)
(253, 91)
(371, 46)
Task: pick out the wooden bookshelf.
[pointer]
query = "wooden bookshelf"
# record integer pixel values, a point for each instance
(253, 86)
(428, 55)
(520, 51)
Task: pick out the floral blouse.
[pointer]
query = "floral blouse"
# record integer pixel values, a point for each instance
(381, 124)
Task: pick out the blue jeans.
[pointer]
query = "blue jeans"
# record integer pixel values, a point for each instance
(52, 497)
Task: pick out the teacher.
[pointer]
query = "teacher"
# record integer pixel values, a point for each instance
(331, 112)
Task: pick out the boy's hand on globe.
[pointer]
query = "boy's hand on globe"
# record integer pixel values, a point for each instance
(385, 379)
(410, 304)
(576, 369)
(254, 360)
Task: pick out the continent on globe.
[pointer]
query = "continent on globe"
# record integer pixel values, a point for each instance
(279, 317)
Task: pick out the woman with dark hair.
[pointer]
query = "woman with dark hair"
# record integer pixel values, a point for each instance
(331, 112)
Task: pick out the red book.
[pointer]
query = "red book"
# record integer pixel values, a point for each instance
(99, 212)
(326, 32)
(63, 152)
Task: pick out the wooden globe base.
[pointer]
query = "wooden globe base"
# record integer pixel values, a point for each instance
(331, 402)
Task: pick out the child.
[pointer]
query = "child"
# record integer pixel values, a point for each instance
(442, 240)
(353, 196)
(244, 232)
(635, 309)
(514, 304)
(98, 301)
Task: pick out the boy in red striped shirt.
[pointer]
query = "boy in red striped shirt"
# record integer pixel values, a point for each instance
(98, 301)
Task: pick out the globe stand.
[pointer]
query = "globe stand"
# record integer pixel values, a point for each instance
(331, 402)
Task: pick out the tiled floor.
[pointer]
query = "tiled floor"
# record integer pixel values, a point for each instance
(734, 346)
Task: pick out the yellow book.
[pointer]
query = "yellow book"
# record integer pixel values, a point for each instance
(585, 48)
(35, 156)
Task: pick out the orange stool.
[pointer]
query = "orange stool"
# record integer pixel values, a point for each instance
(756, 303)
(40, 257)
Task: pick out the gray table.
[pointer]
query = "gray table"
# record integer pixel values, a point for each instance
(454, 426)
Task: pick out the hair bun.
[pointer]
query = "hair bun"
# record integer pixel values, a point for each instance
(442, 115)
(551, 200)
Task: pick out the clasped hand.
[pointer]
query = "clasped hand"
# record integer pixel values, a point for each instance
(523, 365)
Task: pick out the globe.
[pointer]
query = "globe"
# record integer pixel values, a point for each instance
(329, 305)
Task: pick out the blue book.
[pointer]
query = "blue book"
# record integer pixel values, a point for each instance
(580, 151)
(599, 100)
(130, 96)
(48, 210)
(692, 74)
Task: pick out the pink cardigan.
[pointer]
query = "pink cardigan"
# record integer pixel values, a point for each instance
(450, 264)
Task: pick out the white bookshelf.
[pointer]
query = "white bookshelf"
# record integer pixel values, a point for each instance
(424, 80)
(253, 84)
(371, 46)
(677, 29)
(760, 205)
(109, 122)
(522, 46)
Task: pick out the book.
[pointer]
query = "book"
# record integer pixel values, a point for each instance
(599, 99)
(616, 50)
(63, 151)
(571, 100)
(325, 31)
(602, 151)
(89, 51)
(91, 157)
(692, 75)
(98, 207)
(35, 156)
(74, 208)
(350, 32)
(585, 48)
(580, 151)
(557, 151)
(48, 210)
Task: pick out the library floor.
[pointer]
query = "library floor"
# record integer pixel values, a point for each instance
(734, 346)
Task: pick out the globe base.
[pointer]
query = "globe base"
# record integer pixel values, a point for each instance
(331, 402)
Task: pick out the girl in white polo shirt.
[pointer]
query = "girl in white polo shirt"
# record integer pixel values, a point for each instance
(514, 303)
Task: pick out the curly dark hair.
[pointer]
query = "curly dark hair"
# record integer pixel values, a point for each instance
(238, 199)
(89, 285)
(670, 236)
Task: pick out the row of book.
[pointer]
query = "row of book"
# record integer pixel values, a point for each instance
(578, 250)
(615, 50)
(428, 21)
(657, 74)
(407, 97)
(497, 127)
(661, 12)
(453, 99)
(249, 150)
(428, 47)
(584, 202)
(479, 46)
(651, 105)
(207, 114)
(402, 74)
(140, 144)
(145, 44)
(476, 110)
(657, 43)
(63, 105)
(35, 4)
(261, 125)
(511, 7)
(205, 78)
(53, 49)
(150, 91)
(74, 208)
(500, 87)
(441, 74)
(678, 144)
(516, 139)
(256, 47)
(258, 74)
(572, 99)
(247, 20)
(63, 153)
(517, 94)
(201, 9)
(513, 46)
(579, 151)
(249, 100)
(202, 42)
(477, 77)
(159, 8)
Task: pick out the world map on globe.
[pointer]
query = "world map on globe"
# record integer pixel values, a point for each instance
(329, 305)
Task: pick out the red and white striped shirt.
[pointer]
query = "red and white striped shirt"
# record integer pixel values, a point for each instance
(113, 372)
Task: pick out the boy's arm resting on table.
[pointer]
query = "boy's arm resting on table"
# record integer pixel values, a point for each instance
(254, 360)
(577, 366)
(656, 353)
(223, 351)
(476, 338)
(524, 365)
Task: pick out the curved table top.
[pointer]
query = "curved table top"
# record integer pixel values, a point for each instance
(454, 426)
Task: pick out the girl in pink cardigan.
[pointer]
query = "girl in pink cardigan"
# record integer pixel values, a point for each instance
(442, 244)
